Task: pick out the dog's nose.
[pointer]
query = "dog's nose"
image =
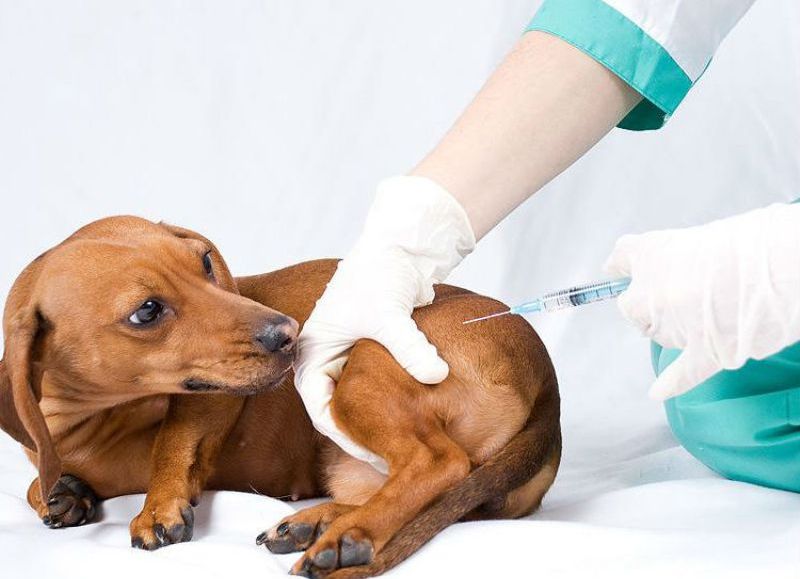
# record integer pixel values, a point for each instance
(278, 335)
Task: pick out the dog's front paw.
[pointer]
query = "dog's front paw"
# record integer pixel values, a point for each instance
(162, 523)
(71, 503)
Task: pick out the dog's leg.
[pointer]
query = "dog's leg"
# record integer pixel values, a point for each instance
(71, 503)
(496, 488)
(423, 461)
(183, 458)
(423, 464)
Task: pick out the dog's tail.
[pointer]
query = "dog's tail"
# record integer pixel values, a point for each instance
(517, 463)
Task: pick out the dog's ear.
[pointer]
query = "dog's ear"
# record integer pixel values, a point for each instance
(221, 271)
(20, 414)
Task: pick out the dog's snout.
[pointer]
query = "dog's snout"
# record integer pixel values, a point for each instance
(278, 335)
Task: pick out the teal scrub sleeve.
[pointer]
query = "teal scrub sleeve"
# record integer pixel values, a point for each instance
(745, 423)
(659, 48)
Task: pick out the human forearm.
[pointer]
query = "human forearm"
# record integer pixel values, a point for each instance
(542, 109)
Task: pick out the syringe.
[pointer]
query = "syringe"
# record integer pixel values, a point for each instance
(568, 298)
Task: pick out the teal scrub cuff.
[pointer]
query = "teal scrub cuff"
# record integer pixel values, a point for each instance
(621, 46)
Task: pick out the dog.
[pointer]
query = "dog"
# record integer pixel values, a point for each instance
(134, 362)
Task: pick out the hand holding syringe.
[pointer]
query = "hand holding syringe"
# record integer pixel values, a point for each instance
(568, 298)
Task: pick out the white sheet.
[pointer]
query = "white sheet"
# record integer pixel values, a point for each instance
(265, 125)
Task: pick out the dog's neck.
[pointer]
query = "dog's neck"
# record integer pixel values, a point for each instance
(78, 412)
(77, 396)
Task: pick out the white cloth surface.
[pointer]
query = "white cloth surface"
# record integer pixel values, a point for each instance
(267, 125)
(648, 510)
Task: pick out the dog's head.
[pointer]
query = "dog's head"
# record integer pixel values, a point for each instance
(126, 308)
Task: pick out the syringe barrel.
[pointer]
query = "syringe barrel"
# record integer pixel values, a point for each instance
(528, 307)
(577, 296)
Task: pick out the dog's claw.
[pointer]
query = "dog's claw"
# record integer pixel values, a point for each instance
(71, 503)
(160, 533)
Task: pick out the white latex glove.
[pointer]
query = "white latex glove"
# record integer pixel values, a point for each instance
(723, 292)
(415, 234)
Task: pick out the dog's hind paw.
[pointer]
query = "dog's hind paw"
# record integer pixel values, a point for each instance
(299, 531)
(71, 503)
(352, 549)
(166, 523)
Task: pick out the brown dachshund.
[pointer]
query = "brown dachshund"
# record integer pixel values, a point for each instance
(134, 362)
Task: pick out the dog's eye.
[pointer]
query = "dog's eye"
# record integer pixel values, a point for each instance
(147, 313)
(207, 265)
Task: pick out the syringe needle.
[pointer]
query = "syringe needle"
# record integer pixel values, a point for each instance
(487, 317)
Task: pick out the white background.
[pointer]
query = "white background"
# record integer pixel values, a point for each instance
(266, 125)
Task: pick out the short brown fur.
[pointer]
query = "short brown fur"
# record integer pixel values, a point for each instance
(115, 415)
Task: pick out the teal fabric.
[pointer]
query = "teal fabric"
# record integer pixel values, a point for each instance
(620, 45)
(744, 424)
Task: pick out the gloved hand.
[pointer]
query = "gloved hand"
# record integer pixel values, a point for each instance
(415, 234)
(722, 292)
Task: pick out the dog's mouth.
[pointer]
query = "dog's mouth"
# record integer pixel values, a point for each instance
(194, 385)
(199, 385)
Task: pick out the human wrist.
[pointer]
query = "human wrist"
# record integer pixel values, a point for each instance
(422, 220)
